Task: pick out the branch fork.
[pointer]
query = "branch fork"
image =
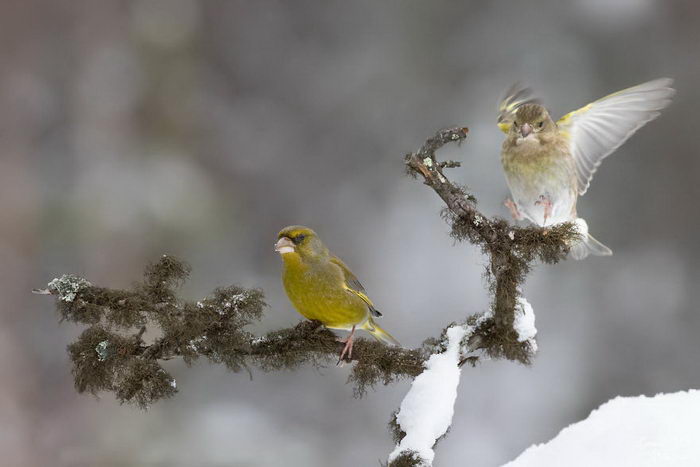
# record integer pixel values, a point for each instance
(111, 355)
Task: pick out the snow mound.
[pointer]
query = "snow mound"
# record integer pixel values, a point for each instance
(659, 431)
(426, 411)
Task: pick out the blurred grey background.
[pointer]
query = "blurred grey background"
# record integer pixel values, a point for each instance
(199, 129)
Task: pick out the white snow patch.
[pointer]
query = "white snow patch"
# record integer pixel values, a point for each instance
(426, 411)
(488, 314)
(582, 227)
(659, 431)
(524, 323)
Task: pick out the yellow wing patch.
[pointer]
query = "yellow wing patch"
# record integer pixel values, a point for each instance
(362, 295)
(353, 285)
(566, 119)
(596, 130)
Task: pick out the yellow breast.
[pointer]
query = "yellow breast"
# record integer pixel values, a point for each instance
(317, 292)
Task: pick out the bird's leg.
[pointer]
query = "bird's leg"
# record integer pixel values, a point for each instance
(348, 346)
(545, 201)
(513, 208)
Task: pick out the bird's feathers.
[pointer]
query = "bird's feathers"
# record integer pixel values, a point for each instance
(596, 130)
(548, 169)
(380, 334)
(587, 245)
(516, 96)
(353, 285)
(321, 287)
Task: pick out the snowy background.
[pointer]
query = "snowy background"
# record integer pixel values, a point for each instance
(199, 129)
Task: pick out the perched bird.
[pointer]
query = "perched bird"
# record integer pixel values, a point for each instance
(549, 164)
(321, 287)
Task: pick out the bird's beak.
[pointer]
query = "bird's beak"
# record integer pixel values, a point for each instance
(284, 245)
(525, 130)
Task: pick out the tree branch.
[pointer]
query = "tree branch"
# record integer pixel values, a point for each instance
(511, 250)
(111, 355)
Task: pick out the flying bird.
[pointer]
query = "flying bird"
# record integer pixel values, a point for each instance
(549, 164)
(321, 287)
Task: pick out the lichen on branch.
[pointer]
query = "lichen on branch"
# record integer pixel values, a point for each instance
(511, 250)
(112, 354)
(506, 329)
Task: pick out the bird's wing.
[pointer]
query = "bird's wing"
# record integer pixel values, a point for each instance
(596, 130)
(353, 285)
(514, 97)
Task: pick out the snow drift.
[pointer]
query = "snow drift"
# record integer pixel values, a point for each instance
(658, 431)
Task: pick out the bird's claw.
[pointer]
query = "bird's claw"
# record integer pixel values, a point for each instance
(347, 350)
(513, 208)
(546, 202)
(348, 347)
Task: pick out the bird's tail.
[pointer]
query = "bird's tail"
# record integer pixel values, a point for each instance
(588, 244)
(380, 334)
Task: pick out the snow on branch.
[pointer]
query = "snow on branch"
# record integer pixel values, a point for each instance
(112, 355)
(426, 411)
(524, 324)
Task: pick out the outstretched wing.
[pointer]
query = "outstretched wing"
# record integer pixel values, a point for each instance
(596, 130)
(353, 285)
(515, 96)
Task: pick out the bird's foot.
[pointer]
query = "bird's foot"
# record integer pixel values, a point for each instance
(513, 208)
(347, 350)
(546, 202)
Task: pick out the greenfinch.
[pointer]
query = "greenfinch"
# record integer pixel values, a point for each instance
(321, 287)
(549, 164)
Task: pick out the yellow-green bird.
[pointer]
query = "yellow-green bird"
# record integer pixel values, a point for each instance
(549, 164)
(322, 287)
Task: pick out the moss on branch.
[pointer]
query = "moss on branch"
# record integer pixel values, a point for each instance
(111, 354)
(511, 249)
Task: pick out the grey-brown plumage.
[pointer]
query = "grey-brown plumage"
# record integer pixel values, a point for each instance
(549, 164)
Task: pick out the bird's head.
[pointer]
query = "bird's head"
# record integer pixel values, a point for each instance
(530, 122)
(297, 241)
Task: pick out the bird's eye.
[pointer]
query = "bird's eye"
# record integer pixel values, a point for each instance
(541, 124)
(298, 239)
